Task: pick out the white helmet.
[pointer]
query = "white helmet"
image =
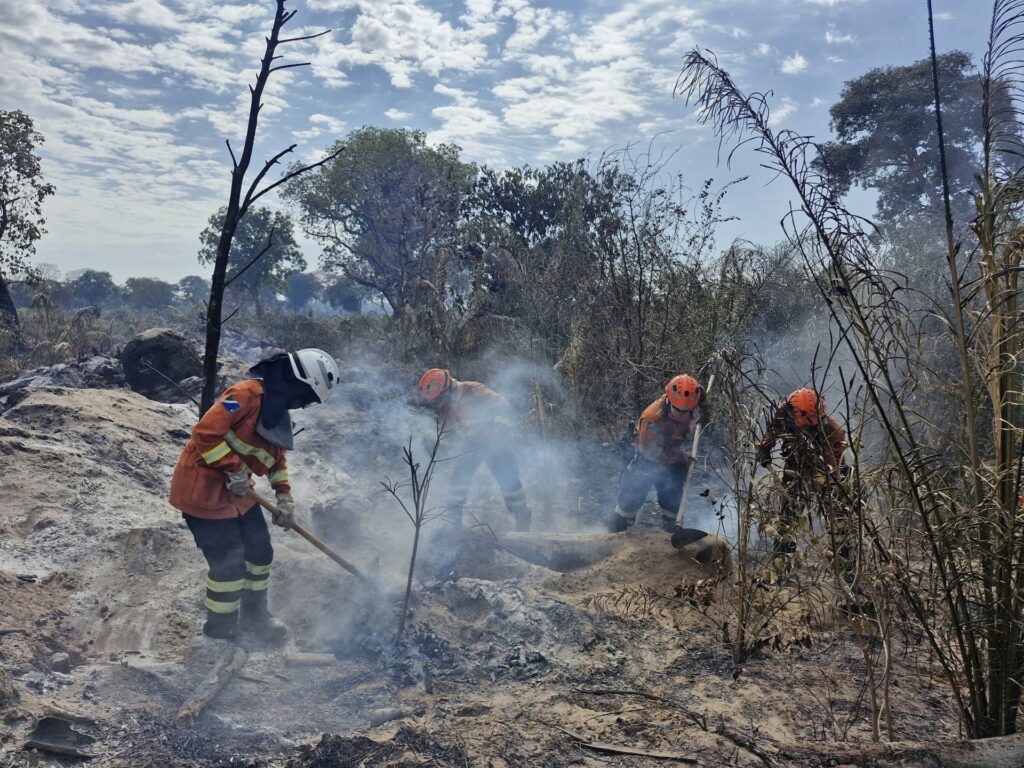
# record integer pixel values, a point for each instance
(317, 369)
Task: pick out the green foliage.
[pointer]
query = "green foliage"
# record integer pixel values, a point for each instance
(148, 293)
(193, 289)
(302, 288)
(22, 192)
(343, 293)
(253, 267)
(91, 288)
(885, 128)
(386, 211)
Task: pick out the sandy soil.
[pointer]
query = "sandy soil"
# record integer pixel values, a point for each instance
(505, 663)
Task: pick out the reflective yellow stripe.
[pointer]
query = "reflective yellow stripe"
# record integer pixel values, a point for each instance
(218, 452)
(245, 449)
(281, 476)
(256, 570)
(225, 586)
(257, 586)
(218, 607)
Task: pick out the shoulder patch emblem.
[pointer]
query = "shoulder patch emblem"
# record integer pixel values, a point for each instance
(230, 404)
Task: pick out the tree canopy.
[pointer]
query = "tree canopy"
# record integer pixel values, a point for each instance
(386, 211)
(254, 267)
(884, 124)
(22, 192)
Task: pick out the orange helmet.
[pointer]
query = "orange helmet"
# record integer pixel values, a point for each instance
(806, 407)
(683, 392)
(435, 383)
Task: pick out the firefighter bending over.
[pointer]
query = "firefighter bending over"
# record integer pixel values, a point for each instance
(660, 457)
(813, 444)
(246, 432)
(481, 420)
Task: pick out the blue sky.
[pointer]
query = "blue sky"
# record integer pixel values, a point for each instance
(136, 97)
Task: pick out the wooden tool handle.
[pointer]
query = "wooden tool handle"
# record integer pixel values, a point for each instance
(693, 455)
(272, 508)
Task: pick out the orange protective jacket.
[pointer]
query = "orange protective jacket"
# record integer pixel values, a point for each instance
(477, 407)
(660, 435)
(804, 449)
(225, 440)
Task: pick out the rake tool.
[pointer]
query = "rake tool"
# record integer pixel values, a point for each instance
(693, 453)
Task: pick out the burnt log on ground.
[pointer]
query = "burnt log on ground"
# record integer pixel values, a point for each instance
(225, 668)
(567, 552)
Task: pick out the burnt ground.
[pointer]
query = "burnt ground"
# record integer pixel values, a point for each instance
(504, 663)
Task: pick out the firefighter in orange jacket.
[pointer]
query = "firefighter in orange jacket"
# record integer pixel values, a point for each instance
(813, 444)
(660, 458)
(247, 432)
(483, 418)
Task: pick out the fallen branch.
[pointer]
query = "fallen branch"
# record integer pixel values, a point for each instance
(12, 631)
(697, 719)
(615, 749)
(222, 672)
(996, 752)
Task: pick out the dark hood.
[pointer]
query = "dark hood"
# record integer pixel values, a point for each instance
(282, 392)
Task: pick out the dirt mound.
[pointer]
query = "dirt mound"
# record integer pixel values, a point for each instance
(95, 372)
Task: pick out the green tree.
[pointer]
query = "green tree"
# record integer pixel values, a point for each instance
(193, 289)
(344, 294)
(884, 124)
(148, 293)
(22, 192)
(303, 287)
(386, 210)
(91, 288)
(263, 252)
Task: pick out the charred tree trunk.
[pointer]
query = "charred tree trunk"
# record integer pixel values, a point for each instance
(9, 316)
(238, 203)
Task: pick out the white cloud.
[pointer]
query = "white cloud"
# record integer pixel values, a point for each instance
(781, 113)
(818, 102)
(793, 65)
(397, 115)
(465, 122)
(943, 16)
(405, 37)
(328, 123)
(837, 38)
(145, 13)
(763, 49)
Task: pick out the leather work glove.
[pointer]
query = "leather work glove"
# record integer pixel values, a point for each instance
(238, 482)
(286, 506)
(684, 458)
(764, 458)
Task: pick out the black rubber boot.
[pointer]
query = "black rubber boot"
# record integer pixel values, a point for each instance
(221, 626)
(618, 524)
(257, 622)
